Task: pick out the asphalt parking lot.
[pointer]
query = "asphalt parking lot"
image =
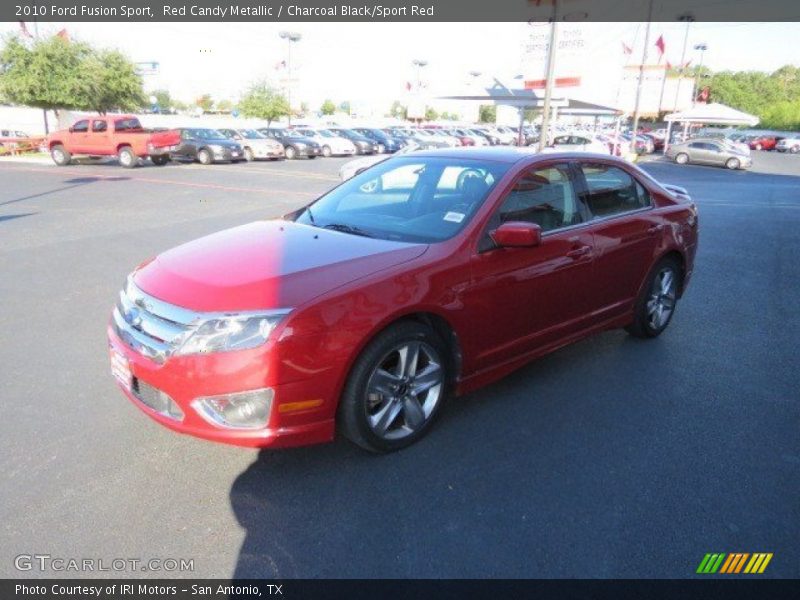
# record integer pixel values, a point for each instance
(614, 457)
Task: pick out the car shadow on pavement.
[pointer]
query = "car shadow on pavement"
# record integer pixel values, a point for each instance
(75, 182)
(506, 470)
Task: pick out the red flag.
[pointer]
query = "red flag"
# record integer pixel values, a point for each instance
(626, 49)
(24, 29)
(661, 46)
(686, 66)
(669, 66)
(63, 35)
(704, 94)
(408, 86)
(280, 65)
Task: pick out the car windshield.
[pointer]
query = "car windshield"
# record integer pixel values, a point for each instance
(207, 134)
(408, 199)
(250, 134)
(326, 133)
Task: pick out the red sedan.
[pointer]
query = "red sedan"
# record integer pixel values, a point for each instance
(424, 277)
(762, 142)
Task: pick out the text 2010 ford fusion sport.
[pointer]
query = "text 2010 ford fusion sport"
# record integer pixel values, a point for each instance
(426, 276)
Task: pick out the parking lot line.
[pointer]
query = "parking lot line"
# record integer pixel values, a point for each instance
(214, 186)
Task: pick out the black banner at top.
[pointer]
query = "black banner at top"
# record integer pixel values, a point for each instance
(398, 10)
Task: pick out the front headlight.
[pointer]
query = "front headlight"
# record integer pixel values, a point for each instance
(230, 332)
(216, 147)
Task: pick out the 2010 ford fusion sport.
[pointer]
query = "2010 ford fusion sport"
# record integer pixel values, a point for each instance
(421, 278)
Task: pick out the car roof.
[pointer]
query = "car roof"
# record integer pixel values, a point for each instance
(511, 154)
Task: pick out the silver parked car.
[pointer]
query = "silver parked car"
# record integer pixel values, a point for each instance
(709, 151)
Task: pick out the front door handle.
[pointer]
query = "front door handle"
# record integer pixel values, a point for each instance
(579, 251)
(653, 229)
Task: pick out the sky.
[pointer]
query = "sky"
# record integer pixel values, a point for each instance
(370, 63)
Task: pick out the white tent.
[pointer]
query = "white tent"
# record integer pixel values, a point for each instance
(711, 114)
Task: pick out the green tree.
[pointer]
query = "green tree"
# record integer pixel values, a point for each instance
(205, 102)
(111, 82)
(163, 99)
(262, 101)
(398, 110)
(487, 113)
(328, 107)
(431, 114)
(225, 106)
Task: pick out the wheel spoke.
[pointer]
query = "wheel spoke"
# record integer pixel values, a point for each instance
(666, 282)
(382, 382)
(652, 303)
(413, 414)
(383, 419)
(429, 377)
(409, 354)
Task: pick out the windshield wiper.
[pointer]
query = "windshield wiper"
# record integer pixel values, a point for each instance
(310, 215)
(347, 229)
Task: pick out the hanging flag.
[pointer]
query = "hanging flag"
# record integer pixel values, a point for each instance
(669, 66)
(704, 95)
(280, 65)
(24, 29)
(661, 46)
(408, 86)
(63, 35)
(626, 49)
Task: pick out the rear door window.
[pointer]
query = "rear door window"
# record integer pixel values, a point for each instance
(81, 126)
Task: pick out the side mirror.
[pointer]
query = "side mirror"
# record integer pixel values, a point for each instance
(517, 234)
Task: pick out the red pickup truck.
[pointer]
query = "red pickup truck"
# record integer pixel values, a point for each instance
(118, 135)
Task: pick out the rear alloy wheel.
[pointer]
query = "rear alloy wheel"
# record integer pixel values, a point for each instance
(733, 164)
(291, 153)
(656, 304)
(794, 149)
(682, 158)
(127, 158)
(326, 151)
(248, 155)
(396, 388)
(60, 155)
(204, 156)
(381, 149)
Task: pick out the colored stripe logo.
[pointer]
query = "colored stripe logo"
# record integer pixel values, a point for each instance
(734, 562)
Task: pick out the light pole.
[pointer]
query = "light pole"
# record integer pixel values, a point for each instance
(418, 65)
(688, 18)
(641, 77)
(290, 37)
(551, 68)
(702, 47)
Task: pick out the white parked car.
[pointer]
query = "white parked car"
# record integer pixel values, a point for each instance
(788, 144)
(438, 134)
(254, 144)
(575, 142)
(354, 167)
(332, 144)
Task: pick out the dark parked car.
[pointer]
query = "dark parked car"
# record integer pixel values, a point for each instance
(206, 146)
(363, 144)
(294, 144)
(387, 144)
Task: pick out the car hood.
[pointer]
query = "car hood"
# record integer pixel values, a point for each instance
(265, 265)
(301, 139)
(222, 142)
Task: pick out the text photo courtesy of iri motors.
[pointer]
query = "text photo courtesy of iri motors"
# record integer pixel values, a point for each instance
(321, 300)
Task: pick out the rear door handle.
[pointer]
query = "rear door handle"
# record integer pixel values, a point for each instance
(579, 251)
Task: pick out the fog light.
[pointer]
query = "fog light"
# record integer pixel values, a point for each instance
(242, 410)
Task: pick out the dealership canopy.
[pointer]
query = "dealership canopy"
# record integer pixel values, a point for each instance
(713, 114)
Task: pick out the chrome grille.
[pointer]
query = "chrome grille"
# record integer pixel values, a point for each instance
(150, 326)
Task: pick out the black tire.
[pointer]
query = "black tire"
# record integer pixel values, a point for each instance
(205, 157)
(326, 151)
(733, 164)
(311, 157)
(291, 152)
(60, 155)
(643, 325)
(160, 159)
(354, 407)
(248, 155)
(127, 158)
(682, 158)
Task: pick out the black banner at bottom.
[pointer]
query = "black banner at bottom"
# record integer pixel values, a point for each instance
(388, 589)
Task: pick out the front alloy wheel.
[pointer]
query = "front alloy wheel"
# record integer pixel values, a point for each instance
(396, 388)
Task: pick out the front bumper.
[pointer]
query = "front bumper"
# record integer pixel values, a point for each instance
(261, 152)
(309, 151)
(227, 154)
(186, 378)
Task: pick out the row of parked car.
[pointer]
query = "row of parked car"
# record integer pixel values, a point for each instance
(124, 136)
